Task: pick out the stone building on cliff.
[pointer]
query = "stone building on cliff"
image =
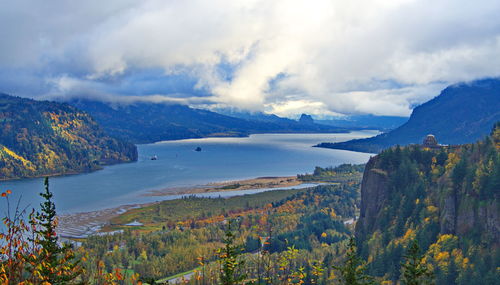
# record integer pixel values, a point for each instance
(430, 141)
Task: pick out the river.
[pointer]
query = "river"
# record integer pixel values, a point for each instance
(179, 165)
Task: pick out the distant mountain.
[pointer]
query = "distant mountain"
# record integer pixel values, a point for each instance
(306, 119)
(47, 138)
(287, 123)
(382, 123)
(257, 116)
(349, 122)
(462, 113)
(143, 122)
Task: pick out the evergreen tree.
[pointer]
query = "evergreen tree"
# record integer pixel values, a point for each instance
(57, 263)
(228, 258)
(353, 270)
(414, 272)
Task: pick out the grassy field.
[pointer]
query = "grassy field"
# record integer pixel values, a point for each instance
(155, 216)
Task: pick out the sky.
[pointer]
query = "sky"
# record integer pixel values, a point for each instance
(287, 57)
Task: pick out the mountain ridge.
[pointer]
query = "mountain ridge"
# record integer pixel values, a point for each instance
(461, 113)
(39, 138)
(383, 123)
(143, 122)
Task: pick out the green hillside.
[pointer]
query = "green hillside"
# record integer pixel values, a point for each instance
(46, 138)
(447, 199)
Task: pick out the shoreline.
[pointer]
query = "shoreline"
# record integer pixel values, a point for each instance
(231, 185)
(83, 224)
(247, 135)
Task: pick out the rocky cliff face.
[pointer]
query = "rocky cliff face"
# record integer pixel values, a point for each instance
(463, 205)
(461, 215)
(432, 195)
(374, 193)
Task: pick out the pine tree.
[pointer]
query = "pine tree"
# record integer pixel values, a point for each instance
(57, 264)
(228, 258)
(414, 272)
(353, 270)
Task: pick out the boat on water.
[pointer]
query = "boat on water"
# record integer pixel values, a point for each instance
(197, 149)
(154, 157)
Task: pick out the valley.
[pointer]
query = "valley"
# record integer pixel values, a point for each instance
(406, 194)
(250, 142)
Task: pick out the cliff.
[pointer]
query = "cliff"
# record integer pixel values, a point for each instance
(306, 119)
(40, 138)
(374, 194)
(447, 199)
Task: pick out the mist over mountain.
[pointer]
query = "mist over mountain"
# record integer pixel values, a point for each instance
(256, 116)
(366, 122)
(144, 122)
(348, 121)
(462, 113)
(206, 142)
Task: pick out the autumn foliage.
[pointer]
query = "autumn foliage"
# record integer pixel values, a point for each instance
(31, 252)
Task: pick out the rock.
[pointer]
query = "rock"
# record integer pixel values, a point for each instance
(374, 193)
(306, 119)
(448, 216)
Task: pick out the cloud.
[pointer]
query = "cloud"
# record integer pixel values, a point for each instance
(291, 108)
(285, 56)
(66, 88)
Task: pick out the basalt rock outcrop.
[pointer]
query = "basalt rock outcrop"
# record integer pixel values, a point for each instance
(446, 198)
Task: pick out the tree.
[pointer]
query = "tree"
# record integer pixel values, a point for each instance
(33, 253)
(353, 270)
(57, 263)
(414, 271)
(228, 258)
(14, 245)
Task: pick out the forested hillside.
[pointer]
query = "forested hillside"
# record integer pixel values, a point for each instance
(178, 234)
(278, 234)
(47, 138)
(275, 237)
(462, 113)
(447, 199)
(437, 208)
(144, 122)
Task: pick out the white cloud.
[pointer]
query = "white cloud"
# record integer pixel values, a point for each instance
(286, 56)
(291, 108)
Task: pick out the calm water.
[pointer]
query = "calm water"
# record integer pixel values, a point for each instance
(178, 165)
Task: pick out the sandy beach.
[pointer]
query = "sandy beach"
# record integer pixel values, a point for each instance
(236, 185)
(81, 225)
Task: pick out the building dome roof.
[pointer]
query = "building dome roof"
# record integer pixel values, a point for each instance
(430, 140)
